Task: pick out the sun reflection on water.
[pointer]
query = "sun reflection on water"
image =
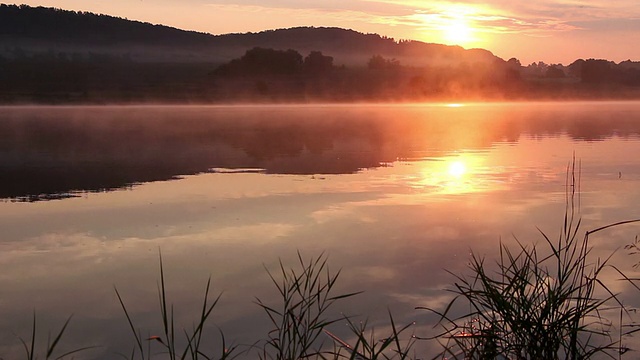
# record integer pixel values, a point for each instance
(455, 174)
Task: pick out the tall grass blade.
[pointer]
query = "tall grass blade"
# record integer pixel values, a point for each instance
(52, 346)
(131, 326)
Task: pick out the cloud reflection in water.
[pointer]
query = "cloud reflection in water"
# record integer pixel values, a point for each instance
(392, 228)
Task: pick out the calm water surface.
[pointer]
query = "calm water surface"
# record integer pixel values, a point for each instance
(393, 194)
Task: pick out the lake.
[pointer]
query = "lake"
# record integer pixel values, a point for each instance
(394, 195)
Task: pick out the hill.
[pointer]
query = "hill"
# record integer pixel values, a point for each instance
(25, 31)
(58, 56)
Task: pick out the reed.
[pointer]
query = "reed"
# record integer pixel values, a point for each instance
(540, 303)
(168, 339)
(50, 349)
(306, 295)
(368, 346)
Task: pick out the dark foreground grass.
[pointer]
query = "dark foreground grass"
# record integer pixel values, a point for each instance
(301, 315)
(51, 346)
(536, 302)
(168, 342)
(543, 302)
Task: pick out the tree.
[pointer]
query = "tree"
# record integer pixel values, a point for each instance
(514, 63)
(554, 72)
(575, 68)
(261, 61)
(596, 71)
(536, 70)
(377, 62)
(316, 63)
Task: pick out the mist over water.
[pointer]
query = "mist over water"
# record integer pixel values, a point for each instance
(61, 151)
(393, 194)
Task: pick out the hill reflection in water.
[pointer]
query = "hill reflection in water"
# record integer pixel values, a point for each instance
(55, 152)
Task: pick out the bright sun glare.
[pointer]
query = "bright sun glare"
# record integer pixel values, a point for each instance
(458, 32)
(455, 174)
(456, 22)
(457, 169)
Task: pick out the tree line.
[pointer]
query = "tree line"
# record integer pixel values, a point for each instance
(272, 74)
(268, 75)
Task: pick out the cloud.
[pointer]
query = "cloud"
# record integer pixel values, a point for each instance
(486, 17)
(316, 15)
(364, 6)
(612, 24)
(537, 18)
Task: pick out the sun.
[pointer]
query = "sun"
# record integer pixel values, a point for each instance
(457, 169)
(455, 24)
(457, 31)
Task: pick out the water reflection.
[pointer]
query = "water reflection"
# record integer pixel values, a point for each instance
(393, 194)
(53, 153)
(460, 173)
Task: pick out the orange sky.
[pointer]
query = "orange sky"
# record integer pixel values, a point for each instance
(553, 31)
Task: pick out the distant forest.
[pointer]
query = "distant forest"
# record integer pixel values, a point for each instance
(57, 56)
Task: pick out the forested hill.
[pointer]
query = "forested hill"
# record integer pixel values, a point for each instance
(84, 28)
(26, 30)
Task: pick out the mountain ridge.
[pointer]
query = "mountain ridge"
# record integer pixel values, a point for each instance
(34, 29)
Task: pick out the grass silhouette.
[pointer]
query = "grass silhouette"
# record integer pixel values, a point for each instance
(539, 303)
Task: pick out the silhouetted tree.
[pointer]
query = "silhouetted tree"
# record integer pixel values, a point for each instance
(538, 69)
(260, 61)
(377, 62)
(575, 68)
(513, 70)
(629, 72)
(596, 71)
(316, 63)
(554, 72)
(515, 63)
